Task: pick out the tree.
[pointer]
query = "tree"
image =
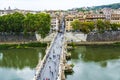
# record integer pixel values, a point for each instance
(90, 25)
(100, 26)
(85, 27)
(43, 24)
(4, 23)
(12, 22)
(76, 25)
(107, 25)
(17, 21)
(1, 24)
(114, 27)
(39, 22)
(29, 23)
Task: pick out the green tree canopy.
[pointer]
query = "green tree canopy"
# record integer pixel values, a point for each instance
(85, 27)
(100, 25)
(17, 22)
(43, 24)
(76, 25)
(107, 25)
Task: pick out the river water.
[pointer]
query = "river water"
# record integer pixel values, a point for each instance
(19, 64)
(95, 63)
(91, 63)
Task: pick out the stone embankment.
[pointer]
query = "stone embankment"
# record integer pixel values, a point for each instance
(93, 37)
(12, 37)
(106, 36)
(75, 37)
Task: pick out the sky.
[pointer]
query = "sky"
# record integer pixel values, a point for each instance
(52, 4)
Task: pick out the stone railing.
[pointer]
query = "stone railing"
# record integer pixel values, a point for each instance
(61, 65)
(41, 63)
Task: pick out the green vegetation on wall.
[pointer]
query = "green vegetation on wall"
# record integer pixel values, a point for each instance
(26, 45)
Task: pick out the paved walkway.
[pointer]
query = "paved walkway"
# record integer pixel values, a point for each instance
(51, 66)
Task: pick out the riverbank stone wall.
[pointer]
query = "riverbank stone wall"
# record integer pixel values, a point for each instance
(106, 36)
(13, 37)
(75, 37)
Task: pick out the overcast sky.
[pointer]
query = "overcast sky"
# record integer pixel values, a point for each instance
(52, 4)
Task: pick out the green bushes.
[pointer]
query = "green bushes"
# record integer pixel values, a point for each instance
(4, 46)
(27, 45)
(117, 44)
(35, 44)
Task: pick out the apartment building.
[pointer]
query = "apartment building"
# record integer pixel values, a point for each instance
(54, 22)
(112, 14)
(115, 18)
(71, 18)
(81, 17)
(68, 20)
(116, 11)
(107, 12)
(94, 17)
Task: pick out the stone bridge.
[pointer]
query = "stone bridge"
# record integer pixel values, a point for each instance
(52, 66)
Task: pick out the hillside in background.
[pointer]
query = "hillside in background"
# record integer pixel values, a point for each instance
(112, 6)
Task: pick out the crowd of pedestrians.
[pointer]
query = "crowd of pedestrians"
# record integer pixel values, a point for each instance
(51, 65)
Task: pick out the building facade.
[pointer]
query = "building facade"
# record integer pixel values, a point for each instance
(115, 18)
(54, 22)
(107, 12)
(68, 20)
(95, 17)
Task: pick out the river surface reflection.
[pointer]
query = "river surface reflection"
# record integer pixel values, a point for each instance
(19, 64)
(95, 63)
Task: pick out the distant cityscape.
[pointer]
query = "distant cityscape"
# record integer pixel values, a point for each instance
(113, 15)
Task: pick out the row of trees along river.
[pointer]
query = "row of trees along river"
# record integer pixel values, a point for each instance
(98, 25)
(18, 22)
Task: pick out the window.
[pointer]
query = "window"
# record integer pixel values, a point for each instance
(71, 19)
(67, 19)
